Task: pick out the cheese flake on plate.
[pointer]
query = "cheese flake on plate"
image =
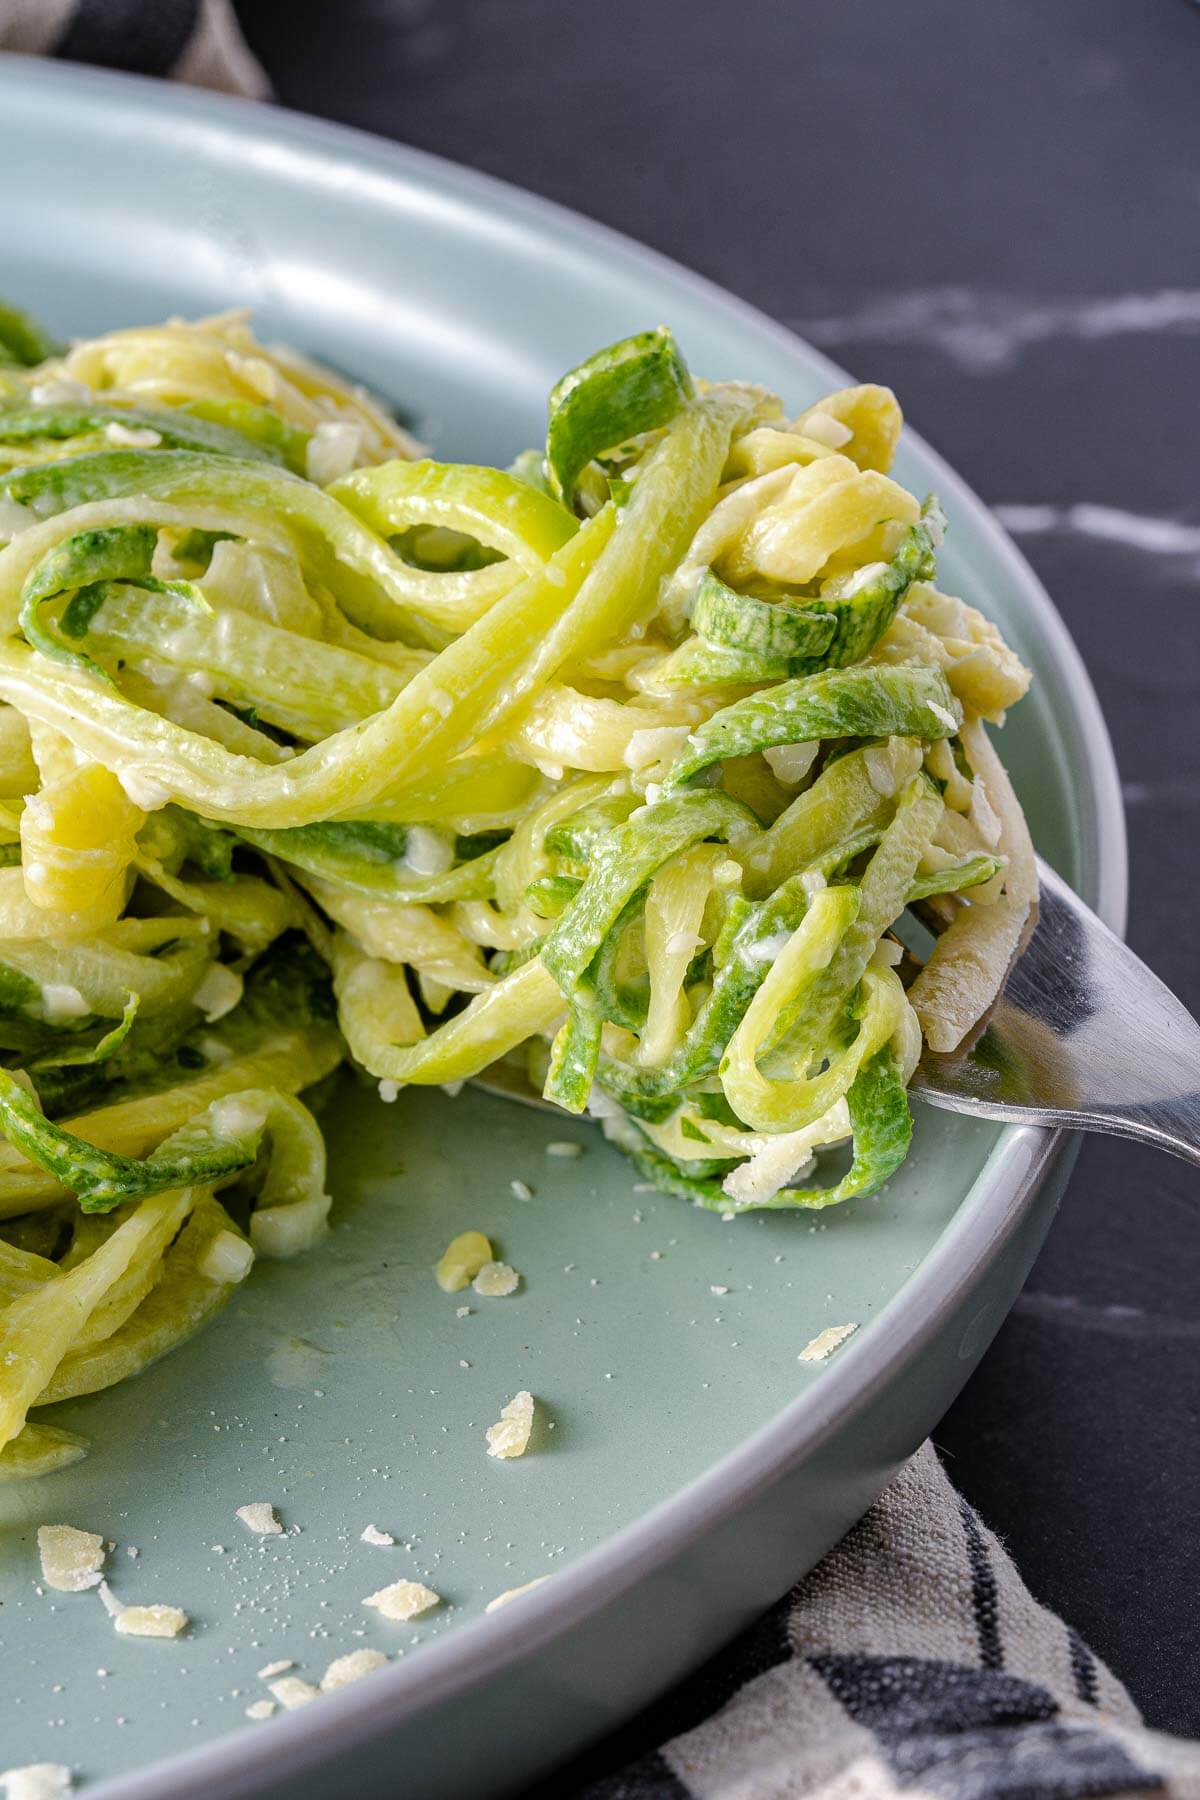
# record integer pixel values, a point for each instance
(404, 1600)
(495, 1279)
(351, 1667)
(509, 1436)
(260, 1518)
(826, 1342)
(292, 1691)
(71, 1559)
(154, 1621)
(36, 1781)
(514, 1593)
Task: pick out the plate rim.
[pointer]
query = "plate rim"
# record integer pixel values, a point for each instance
(1005, 1187)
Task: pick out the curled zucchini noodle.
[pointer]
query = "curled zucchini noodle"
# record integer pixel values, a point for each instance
(623, 765)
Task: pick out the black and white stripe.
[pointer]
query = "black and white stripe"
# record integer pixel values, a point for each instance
(196, 41)
(913, 1664)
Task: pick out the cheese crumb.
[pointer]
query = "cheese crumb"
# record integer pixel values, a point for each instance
(563, 1147)
(404, 1600)
(260, 1709)
(720, 1292)
(495, 1279)
(462, 1312)
(150, 1621)
(521, 1189)
(826, 1342)
(71, 1559)
(388, 1091)
(259, 1517)
(373, 1535)
(36, 1781)
(462, 1260)
(292, 1692)
(351, 1667)
(514, 1593)
(270, 1670)
(509, 1436)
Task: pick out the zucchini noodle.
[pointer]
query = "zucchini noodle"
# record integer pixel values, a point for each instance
(620, 766)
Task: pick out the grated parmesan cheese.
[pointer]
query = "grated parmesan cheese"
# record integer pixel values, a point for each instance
(373, 1535)
(563, 1147)
(509, 1436)
(514, 1593)
(462, 1260)
(351, 1667)
(270, 1670)
(521, 1190)
(71, 1559)
(260, 1709)
(496, 1279)
(404, 1600)
(260, 1518)
(36, 1781)
(826, 1342)
(292, 1691)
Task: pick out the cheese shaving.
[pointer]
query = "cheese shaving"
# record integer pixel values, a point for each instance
(509, 1436)
(351, 1667)
(36, 1781)
(292, 1691)
(514, 1593)
(259, 1517)
(496, 1279)
(404, 1600)
(153, 1621)
(71, 1559)
(826, 1342)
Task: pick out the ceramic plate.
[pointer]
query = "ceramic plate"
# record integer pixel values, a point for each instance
(695, 1466)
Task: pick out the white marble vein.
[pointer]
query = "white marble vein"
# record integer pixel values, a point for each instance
(1152, 534)
(984, 332)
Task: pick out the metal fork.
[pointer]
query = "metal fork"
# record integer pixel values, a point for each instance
(1084, 1035)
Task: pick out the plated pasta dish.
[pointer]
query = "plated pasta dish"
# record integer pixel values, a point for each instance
(650, 773)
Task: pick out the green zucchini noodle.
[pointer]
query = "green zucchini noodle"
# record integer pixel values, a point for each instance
(621, 765)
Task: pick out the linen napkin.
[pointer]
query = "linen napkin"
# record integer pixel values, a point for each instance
(913, 1661)
(195, 41)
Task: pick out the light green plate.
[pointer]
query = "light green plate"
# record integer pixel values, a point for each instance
(695, 1466)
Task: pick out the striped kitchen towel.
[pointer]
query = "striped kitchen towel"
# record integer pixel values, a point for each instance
(912, 1662)
(197, 41)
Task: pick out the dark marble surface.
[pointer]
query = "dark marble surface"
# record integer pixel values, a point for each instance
(996, 210)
